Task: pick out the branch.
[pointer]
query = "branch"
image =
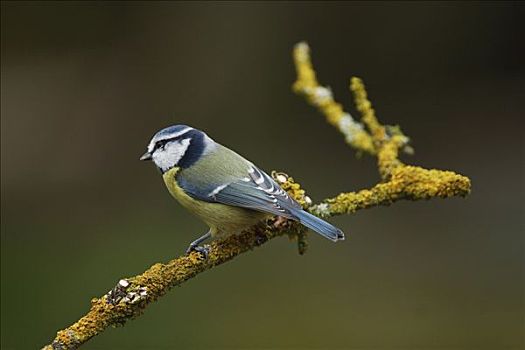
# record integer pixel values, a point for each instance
(321, 97)
(130, 296)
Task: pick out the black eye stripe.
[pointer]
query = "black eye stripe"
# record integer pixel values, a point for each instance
(181, 132)
(162, 143)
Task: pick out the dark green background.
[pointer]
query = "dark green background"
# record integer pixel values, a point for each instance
(85, 85)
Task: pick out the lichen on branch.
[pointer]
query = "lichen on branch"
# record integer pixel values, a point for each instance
(131, 295)
(322, 98)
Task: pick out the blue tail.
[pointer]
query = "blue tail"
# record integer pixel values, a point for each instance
(320, 226)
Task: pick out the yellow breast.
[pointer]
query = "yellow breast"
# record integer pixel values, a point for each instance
(222, 219)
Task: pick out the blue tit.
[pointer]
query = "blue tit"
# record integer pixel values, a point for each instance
(226, 191)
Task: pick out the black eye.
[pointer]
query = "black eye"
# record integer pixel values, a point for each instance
(160, 144)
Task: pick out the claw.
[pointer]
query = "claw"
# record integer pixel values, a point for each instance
(203, 250)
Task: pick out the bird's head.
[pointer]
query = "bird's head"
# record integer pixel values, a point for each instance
(177, 146)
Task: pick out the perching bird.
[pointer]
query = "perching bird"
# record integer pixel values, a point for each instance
(222, 188)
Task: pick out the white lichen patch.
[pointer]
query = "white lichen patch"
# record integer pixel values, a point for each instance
(307, 200)
(404, 139)
(321, 95)
(322, 210)
(121, 293)
(135, 296)
(115, 295)
(281, 178)
(123, 283)
(302, 51)
(349, 127)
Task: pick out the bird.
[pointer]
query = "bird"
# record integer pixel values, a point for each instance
(222, 188)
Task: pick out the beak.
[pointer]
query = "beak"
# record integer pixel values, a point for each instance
(145, 156)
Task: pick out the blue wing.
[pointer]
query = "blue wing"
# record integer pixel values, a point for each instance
(258, 191)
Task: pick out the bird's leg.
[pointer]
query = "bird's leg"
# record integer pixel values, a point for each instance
(194, 246)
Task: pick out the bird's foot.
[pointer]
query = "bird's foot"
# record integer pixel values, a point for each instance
(204, 250)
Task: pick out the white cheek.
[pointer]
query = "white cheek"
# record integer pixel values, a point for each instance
(171, 154)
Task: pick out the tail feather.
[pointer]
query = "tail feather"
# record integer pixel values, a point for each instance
(320, 226)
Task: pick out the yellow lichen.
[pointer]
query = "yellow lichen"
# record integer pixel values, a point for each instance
(364, 106)
(321, 97)
(387, 156)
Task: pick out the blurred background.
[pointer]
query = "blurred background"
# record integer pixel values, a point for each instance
(85, 85)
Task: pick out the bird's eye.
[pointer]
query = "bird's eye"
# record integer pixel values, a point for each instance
(160, 144)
